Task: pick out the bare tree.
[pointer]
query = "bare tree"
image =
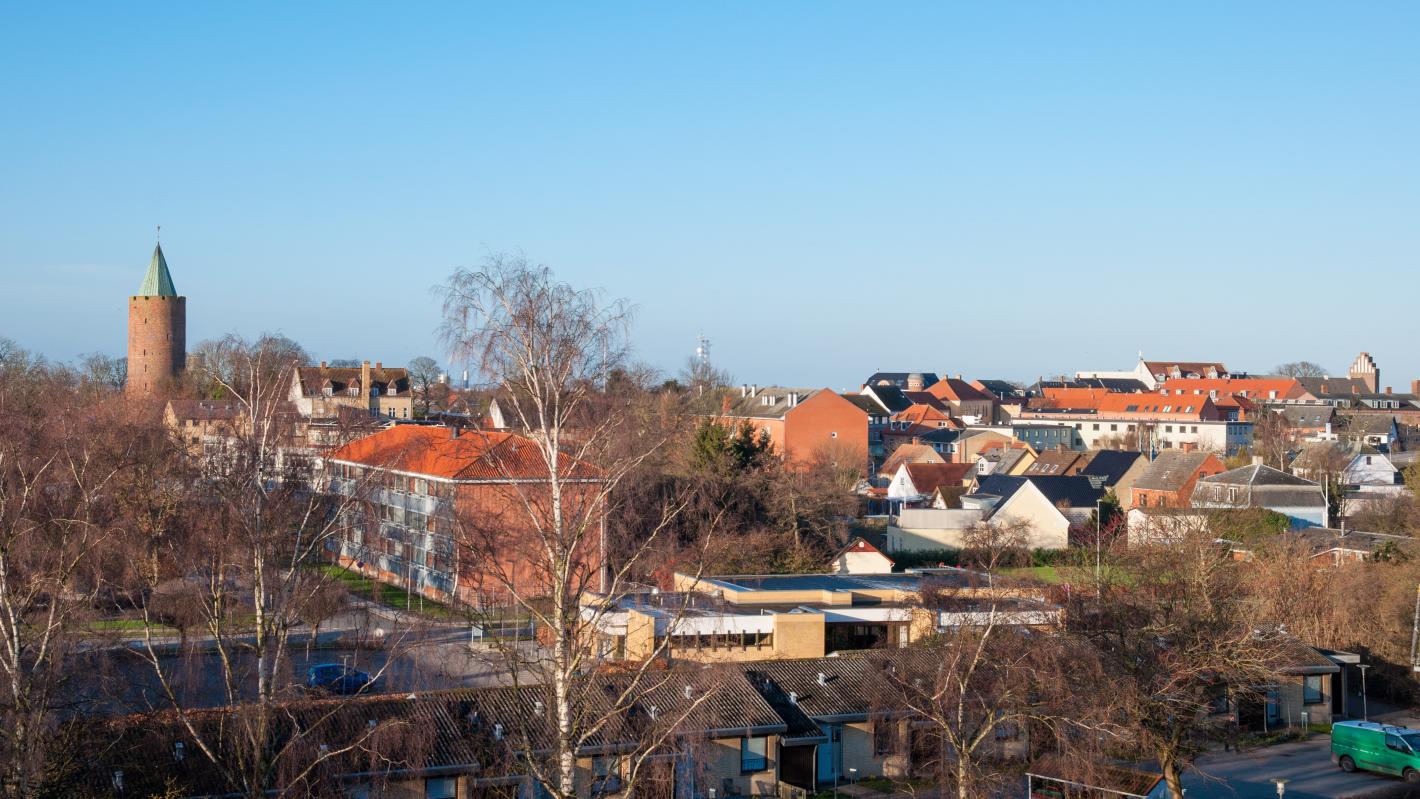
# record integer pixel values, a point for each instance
(541, 545)
(980, 696)
(1177, 632)
(61, 460)
(246, 557)
(1300, 369)
(424, 382)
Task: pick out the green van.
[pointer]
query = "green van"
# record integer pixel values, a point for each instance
(1376, 747)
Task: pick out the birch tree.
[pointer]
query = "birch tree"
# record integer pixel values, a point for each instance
(544, 553)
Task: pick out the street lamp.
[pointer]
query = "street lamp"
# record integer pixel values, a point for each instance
(1365, 711)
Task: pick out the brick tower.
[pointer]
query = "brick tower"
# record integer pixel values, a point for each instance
(157, 332)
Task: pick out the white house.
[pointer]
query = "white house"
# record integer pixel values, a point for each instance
(861, 557)
(930, 529)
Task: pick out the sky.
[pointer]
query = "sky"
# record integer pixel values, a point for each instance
(822, 189)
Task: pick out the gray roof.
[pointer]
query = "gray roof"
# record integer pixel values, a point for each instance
(1111, 464)
(1316, 415)
(1368, 424)
(1258, 474)
(899, 379)
(1075, 491)
(869, 406)
(770, 402)
(1170, 470)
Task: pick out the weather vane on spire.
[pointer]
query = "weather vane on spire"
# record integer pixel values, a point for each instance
(158, 236)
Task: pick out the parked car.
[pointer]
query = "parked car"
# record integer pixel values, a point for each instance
(337, 678)
(1379, 747)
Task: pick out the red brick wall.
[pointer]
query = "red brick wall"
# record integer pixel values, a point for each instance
(157, 343)
(825, 422)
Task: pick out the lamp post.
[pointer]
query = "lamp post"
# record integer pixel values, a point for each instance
(1365, 711)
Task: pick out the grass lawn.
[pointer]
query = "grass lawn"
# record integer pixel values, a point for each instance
(133, 626)
(1045, 574)
(387, 595)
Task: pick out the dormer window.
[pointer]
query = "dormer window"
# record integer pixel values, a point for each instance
(374, 391)
(354, 391)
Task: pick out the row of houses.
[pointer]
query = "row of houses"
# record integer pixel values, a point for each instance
(764, 728)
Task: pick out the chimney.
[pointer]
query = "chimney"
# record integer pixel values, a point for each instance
(1415, 386)
(365, 379)
(1387, 390)
(753, 390)
(322, 364)
(725, 404)
(744, 390)
(1323, 388)
(453, 429)
(1355, 389)
(379, 365)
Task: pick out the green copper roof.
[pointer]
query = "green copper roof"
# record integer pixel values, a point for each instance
(158, 282)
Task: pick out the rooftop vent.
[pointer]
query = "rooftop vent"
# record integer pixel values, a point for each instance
(822, 678)
(498, 732)
(689, 692)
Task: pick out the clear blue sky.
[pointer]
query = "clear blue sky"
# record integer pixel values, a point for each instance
(823, 189)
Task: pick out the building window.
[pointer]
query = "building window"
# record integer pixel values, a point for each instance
(754, 754)
(441, 788)
(1312, 690)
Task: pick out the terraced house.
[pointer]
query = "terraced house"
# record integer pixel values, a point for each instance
(791, 728)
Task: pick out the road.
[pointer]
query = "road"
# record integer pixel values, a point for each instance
(118, 678)
(1305, 764)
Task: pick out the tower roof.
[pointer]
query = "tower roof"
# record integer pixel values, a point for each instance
(158, 282)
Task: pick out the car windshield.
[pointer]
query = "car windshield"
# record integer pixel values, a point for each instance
(1412, 738)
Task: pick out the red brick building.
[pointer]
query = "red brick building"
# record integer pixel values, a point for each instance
(1168, 481)
(461, 514)
(157, 332)
(803, 424)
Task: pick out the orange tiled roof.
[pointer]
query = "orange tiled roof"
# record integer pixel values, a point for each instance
(1254, 387)
(954, 390)
(473, 455)
(1142, 406)
(922, 414)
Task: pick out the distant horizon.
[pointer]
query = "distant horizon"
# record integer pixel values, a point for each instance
(822, 190)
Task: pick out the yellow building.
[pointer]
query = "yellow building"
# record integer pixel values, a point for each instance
(745, 618)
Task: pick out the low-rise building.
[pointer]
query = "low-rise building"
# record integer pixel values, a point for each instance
(1261, 486)
(742, 618)
(1169, 479)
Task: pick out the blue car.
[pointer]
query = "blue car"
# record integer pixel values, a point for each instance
(337, 678)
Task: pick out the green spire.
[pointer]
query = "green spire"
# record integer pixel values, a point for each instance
(157, 283)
